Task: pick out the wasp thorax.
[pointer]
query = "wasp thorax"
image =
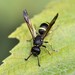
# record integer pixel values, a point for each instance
(38, 41)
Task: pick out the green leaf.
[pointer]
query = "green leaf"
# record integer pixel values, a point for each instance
(62, 39)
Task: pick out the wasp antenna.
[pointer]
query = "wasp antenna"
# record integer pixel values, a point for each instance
(28, 57)
(38, 61)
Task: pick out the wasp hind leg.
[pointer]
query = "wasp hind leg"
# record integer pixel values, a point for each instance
(46, 49)
(53, 49)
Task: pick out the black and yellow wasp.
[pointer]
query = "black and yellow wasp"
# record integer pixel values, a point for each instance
(38, 39)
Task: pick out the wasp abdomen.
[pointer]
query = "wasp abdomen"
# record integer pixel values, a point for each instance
(43, 28)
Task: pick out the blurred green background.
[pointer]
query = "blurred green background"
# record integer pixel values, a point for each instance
(11, 17)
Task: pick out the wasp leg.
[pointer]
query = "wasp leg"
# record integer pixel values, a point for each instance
(37, 33)
(29, 40)
(45, 41)
(38, 61)
(48, 52)
(47, 22)
(44, 46)
(53, 49)
(28, 57)
(46, 49)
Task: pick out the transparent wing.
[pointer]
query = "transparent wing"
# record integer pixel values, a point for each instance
(50, 25)
(27, 20)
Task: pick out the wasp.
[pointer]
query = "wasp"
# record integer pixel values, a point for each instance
(38, 39)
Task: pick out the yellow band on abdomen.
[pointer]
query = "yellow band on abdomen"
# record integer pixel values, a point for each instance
(42, 28)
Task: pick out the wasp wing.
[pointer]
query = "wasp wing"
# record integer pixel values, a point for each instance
(50, 26)
(27, 20)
